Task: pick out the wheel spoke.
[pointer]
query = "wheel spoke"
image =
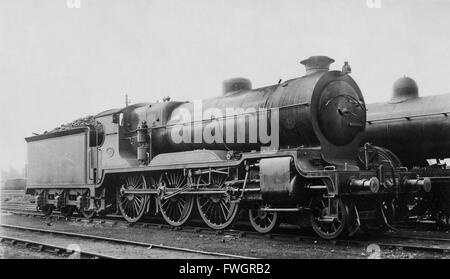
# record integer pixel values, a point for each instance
(136, 206)
(256, 219)
(223, 211)
(208, 209)
(263, 222)
(177, 209)
(320, 213)
(180, 207)
(182, 201)
(132, 206)
(216, 211)
(333, 227)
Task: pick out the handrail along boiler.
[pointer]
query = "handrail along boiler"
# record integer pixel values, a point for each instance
(311, 175)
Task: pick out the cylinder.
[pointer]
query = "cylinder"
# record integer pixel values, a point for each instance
(424, 184)
(372, 184)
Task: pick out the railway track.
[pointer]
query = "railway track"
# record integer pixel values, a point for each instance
(12, 192)
(156, 249)
(388, 241)
(15, 200)
(51, 248)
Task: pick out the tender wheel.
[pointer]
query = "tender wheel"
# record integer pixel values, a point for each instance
(132, 206)
(102, 214)
(328, 223)
(47, 209)
(88, 214)
(263, 221)
(216, 210)
(67, 210)
(177, 209)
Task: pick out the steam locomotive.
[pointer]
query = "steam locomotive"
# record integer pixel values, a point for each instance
(417, 130)
(285, 149)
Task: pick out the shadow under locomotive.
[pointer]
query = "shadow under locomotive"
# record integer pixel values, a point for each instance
(133, 163)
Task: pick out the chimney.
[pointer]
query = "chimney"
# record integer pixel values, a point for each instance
(316, 64)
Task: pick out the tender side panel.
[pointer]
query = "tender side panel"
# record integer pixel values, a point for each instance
(58, 161)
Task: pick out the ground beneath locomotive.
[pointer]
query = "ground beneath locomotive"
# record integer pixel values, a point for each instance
(246, 246)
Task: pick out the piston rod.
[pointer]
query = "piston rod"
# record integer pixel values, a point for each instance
(187, 192)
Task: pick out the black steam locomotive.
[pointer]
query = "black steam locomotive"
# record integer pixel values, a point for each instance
(417, 130)
(289, 148)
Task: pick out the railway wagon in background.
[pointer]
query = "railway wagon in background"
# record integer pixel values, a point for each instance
(147, 159)
(417, 130)
(14, 184)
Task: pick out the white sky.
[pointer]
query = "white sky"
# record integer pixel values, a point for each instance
(58, 64)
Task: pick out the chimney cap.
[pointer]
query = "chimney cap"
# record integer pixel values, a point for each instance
(314, 63)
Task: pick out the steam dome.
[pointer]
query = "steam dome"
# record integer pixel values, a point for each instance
(404, 88)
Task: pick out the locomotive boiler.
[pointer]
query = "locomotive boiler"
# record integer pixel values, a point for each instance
(288, 149)
(324, 108)
(417, 130)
